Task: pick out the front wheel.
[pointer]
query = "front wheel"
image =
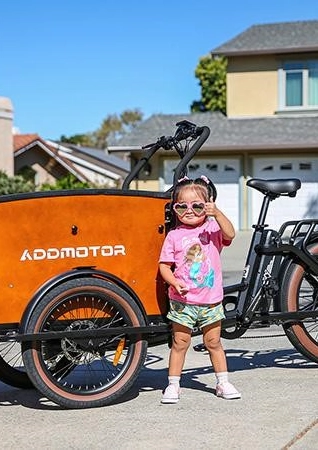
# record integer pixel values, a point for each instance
(85, 372)
(300, 293)
(12, 370)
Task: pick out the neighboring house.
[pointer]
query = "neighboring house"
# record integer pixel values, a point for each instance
(270, 130)
(96, 165)
(48, 161)
(40, 162)
(44, 161)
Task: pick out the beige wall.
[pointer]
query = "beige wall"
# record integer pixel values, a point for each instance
(6, 137)
(42, 176)
(145, 185)
(252, 86)
(147, 182)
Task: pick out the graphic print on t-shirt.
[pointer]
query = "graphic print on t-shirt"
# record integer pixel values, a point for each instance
(198, 266)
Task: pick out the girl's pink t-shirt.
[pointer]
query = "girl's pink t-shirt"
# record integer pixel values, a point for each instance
(195, 253)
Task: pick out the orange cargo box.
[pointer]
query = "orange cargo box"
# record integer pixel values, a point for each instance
(46, 234)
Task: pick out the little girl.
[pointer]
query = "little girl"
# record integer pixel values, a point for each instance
(190, 263)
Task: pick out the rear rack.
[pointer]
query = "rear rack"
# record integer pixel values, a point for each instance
(294, 239)
(299, 231)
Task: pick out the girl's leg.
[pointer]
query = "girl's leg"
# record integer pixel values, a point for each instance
(212, 341)
(181, 339)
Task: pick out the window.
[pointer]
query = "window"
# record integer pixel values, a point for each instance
(299, 85)
(305, 166)
(212, 167)
(286, 166)
(193, 167)
(228, 168)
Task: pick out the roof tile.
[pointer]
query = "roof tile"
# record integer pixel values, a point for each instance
(274, 38)
(21, 140)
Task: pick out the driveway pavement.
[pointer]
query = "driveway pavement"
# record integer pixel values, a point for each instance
(278, 409)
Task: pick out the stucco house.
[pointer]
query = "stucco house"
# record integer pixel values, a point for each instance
(270, 130)
(45, 161)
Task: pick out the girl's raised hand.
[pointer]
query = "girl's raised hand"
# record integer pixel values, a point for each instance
(210, 208)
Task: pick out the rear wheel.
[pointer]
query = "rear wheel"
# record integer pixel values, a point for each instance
(85, 372)
(300, 293)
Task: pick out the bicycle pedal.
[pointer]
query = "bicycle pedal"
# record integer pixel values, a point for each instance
(199, 348)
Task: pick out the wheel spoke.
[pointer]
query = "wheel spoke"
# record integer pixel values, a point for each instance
(300, 293)
(85, 371)
(12, 369)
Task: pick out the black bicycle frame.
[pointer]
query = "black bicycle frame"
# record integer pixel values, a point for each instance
(258, 289)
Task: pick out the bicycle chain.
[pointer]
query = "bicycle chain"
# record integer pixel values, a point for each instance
(262, 337)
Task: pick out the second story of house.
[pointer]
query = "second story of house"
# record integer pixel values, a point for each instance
(272, 69)
(270, 130)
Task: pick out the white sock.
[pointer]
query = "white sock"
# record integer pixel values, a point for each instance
(221, 377)
(174, 380)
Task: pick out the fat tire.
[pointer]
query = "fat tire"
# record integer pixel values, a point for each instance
(299, 292)
(88, 302)
(12, 371)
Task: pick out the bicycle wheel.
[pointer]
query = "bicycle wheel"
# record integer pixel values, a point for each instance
(300, 293)
(86, 372)
(12, 370)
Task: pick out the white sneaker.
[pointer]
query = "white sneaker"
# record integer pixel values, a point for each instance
(227, 391)
(171, 394)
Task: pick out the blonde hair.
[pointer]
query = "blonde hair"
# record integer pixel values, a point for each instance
(202, 186)
(199, 190)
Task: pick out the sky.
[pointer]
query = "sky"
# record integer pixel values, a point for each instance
(66, 65)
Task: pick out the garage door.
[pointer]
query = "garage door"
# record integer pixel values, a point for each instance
(304, 205)
(225, 175)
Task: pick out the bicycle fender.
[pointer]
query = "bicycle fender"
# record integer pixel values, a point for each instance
(282, 275)
(79, 272)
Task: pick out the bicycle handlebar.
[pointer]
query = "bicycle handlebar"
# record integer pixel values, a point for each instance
(185, 131)
(203, 134)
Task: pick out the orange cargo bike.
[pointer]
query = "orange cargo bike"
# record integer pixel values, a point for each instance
(81, 298)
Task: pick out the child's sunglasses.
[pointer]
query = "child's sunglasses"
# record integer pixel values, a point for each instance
(197, 207)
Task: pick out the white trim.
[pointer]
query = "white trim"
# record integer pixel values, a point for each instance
(124, 148)
(59, 147)
(93, 167)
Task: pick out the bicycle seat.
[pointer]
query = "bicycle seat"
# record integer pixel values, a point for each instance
(276, 187)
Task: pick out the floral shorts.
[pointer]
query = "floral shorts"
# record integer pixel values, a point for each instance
(192, 316)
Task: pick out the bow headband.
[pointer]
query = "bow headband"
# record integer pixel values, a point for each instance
(203, 177)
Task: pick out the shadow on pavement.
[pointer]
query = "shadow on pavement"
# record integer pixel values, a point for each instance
(151, 378)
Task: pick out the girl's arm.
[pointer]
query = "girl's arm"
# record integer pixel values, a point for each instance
(226, 226)
(167, 275)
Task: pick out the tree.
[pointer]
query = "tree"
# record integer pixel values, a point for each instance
(211, 71)
(14, 185)
(67, 182)
(113, 125)
(85, 140)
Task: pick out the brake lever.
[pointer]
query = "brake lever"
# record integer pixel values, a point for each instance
(166, 142)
